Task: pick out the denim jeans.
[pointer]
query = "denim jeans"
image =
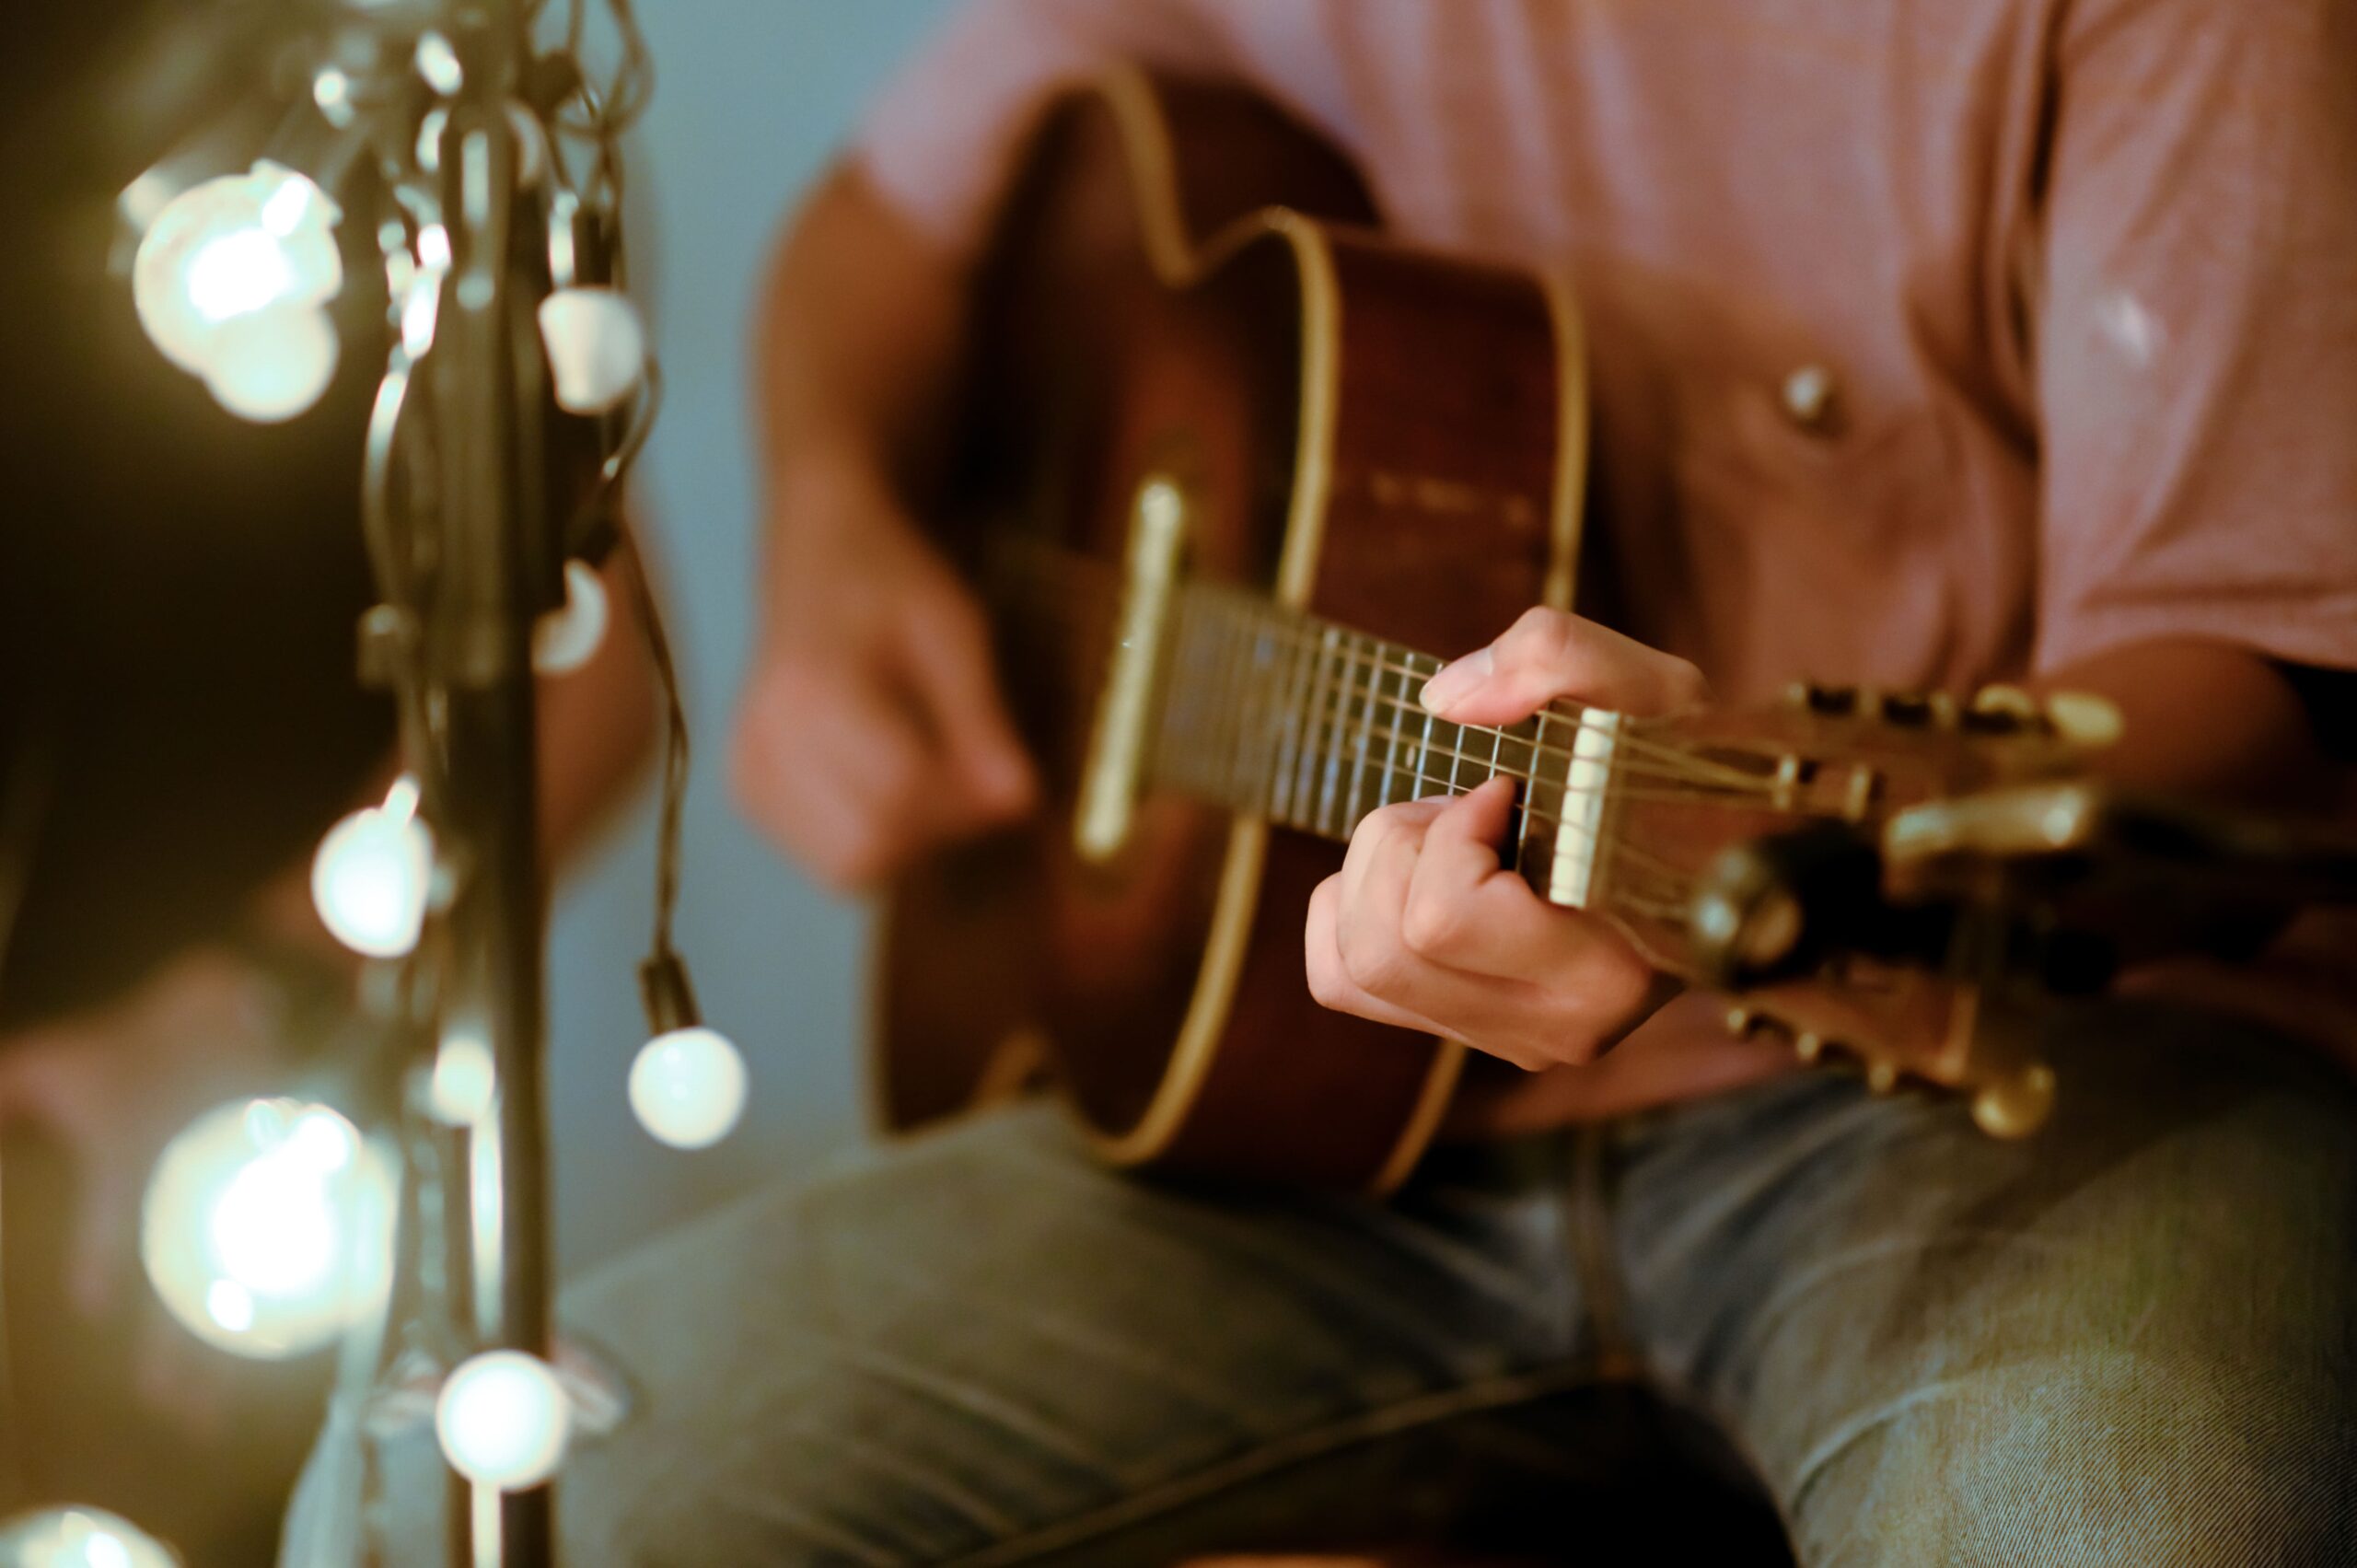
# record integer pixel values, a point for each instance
(2131, 1341)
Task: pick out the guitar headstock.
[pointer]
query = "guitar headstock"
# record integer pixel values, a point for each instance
(1719, 841)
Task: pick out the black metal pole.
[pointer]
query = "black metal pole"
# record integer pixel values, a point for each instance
(495, 573)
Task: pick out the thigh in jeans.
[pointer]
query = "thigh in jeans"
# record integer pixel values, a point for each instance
(978, 1347)
(2130, 1339)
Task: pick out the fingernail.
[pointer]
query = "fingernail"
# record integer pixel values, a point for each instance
(1457, 680)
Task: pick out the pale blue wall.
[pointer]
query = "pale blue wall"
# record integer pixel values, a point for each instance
(752, 99)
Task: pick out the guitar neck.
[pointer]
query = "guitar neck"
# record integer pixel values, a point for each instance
(1315, 726)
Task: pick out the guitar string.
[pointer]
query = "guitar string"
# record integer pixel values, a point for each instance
(1329, 733)
(1292, 634)
(1681, 762)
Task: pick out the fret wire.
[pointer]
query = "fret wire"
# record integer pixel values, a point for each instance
(1316, 765)
(1278, 720)
(1330, 777)
(1391, 758)
(1229, 661)
(1296, 688)
(1276, 679)
(1250, 738)
(1358, 755)
(1305, 758)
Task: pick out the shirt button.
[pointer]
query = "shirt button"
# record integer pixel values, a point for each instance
(1809, 396)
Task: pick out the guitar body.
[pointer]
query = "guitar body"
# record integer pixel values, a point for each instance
(1187, 282)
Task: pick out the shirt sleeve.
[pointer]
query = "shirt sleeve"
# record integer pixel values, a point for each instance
(941, 142)
(2196, 337)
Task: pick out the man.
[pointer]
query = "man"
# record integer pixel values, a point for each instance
(1933, 345)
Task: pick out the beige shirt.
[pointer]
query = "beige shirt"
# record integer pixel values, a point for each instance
(2080, 275)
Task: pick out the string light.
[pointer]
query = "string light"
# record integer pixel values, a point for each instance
(503, 1420)
(80, 1538)
(687, 1084)
(269, 366)
(464, 1082)
(373, 873)
(567, 639)
(687, 1088)
(230, 282)
(597, 348)
(265, 1226)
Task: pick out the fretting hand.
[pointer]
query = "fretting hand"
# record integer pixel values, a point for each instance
(1424, 928)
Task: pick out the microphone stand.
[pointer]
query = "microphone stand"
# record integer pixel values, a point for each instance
(498, 566)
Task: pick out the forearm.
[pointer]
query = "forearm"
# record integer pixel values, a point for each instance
(859, 329)
(2205, 718)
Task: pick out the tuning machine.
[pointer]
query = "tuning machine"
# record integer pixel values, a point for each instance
(2008, 1105)
(2076, 718)
(1778, 907)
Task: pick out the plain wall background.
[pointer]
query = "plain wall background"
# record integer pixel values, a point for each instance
(752, 99)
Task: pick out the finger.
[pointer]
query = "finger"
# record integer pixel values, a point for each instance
(1493, 1015)
(946, 652)
(1459, 891)
(1549, 654)
(833, 767)
(1329, 982)
(1381, 832)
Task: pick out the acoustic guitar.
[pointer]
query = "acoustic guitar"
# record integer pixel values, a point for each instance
(1236, 467)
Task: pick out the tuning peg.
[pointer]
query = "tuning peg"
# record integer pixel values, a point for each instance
(2002, 708)
(2082, 718)
(1834, 701)
(1808, 1045)
(2010, 701)
(2016, 1107)
(1742, 1021)
(1882, 1078)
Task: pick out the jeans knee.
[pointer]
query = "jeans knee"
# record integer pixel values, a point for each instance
(2114, 1460)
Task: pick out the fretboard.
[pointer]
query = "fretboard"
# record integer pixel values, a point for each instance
(1315, 726)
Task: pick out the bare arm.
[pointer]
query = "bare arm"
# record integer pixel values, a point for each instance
(2206, 718)
(871, 727)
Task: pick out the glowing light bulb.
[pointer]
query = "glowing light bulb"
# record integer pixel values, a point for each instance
(687, 1088)
(597, 348)
(261, 243)
(268, 366)
(266, 1229)
(80, 1538)
(567, 639)
(464, 1081)
(372, 873)
(503, 1420)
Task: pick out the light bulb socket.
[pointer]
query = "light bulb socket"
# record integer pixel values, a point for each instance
(670, 1000)
(388, 644)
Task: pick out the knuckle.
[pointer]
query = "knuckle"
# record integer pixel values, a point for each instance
(1432, 927)
(1372, 960)
(1327, 987)
(1540, 635)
